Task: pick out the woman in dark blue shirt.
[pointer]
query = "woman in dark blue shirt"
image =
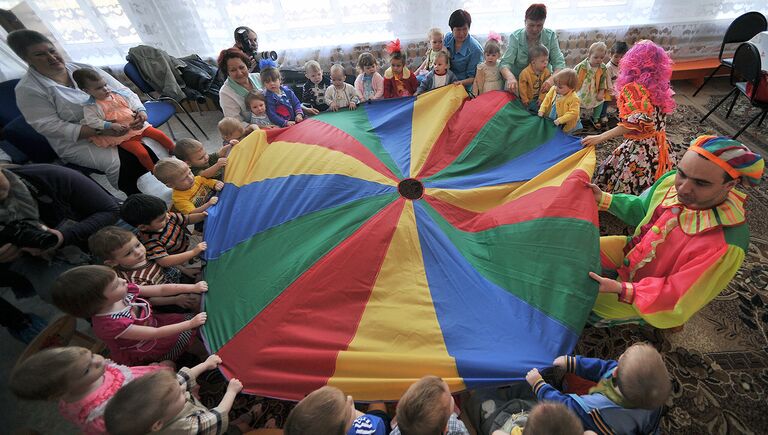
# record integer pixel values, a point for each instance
(464, 49)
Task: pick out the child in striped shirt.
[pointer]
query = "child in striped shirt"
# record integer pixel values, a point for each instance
(122, 251)
(164, 234)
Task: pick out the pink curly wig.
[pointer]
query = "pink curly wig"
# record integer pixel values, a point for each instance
(649, 65)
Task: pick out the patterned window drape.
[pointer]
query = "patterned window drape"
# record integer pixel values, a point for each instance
(100, 32)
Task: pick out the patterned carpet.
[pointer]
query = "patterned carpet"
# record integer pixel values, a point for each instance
(718, 361)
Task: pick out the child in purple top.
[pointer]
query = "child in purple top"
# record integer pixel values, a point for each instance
(283, 108)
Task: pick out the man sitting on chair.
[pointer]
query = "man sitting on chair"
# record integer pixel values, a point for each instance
(690, 237)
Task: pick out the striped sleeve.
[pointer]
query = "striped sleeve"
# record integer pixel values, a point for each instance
(155, 249)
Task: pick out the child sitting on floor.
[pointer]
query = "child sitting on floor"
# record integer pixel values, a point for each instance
(81, 381)
(340, 94)
(533, 76)
(164, 234)
(163, 402)
(191, 194)
(369, 83)
(122, 319)
(561, 104)
(122, 251)
(593, 83)
(629, 394)
(328, 411)
(283, 108)
(427, 407)
(488, 77)
(115, 111)
(257, 103)
(313, 91)
(435, 42)
(192, 152)
(440, 75)
(399, 81)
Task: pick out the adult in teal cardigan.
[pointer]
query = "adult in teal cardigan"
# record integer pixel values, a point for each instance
(515, 59)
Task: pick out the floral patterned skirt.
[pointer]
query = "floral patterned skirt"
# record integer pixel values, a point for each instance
(631, 167)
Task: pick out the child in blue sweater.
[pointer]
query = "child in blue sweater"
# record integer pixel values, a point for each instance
(629, 394)
(283, 108)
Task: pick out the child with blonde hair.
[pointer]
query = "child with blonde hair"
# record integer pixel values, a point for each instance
(232, 130)
(191, 193)
(399, 81)
(313, 91)
(369, 83)
(533, 77)
(629, 395)
(82, 382)
(340, 94)
(122, 319)
(328, 411)
(283, 108)
(435, 40)
(115, 111)
(561, 104)
(440, 75)
(192, 152)
(163, 402)
(488, 77)
(593, 83)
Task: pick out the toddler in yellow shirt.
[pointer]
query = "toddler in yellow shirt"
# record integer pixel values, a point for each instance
(191, 194)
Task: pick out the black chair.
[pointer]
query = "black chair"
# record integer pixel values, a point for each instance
(133, 73)
(746, 70)
(742, 29)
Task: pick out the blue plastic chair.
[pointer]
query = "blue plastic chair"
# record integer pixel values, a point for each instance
(134, 75)
(8, 109)
(22, 142)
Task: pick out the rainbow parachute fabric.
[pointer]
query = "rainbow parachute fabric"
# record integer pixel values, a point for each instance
(432, 235)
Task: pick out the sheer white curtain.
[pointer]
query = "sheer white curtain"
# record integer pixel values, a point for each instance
(101, 31)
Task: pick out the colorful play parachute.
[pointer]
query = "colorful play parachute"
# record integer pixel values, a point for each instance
(434, 235)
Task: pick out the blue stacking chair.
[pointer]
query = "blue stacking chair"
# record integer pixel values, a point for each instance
(26, 144)
(134, 74)
(22, 142)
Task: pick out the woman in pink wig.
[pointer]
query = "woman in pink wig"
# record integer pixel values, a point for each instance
(644, 99)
